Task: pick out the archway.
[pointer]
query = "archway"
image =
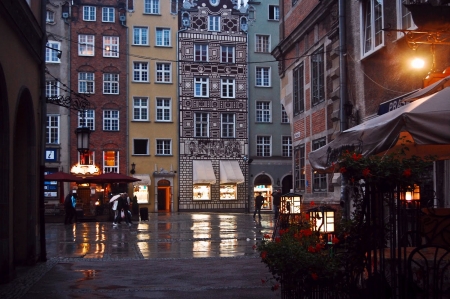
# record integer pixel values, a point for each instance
(263, 183)
(286, 184)
(24, 182)
(163, 195)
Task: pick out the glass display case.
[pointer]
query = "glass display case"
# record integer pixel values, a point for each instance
(202, 192)
(228, 192)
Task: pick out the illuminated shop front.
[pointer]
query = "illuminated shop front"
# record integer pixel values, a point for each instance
(263, 184)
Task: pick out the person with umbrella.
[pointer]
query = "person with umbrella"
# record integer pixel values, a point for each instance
(114, 201)
(121, 210)
(69, 207)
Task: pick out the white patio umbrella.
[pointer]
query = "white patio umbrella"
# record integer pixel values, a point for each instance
(114, 198)
(423, 126)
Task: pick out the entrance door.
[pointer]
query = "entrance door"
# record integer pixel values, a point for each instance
(84, 200)
(162, 205)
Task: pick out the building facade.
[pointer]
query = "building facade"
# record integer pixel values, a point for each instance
(98, 72)
(213, 106)
(270, 149)
(22, 109)
(153, 114)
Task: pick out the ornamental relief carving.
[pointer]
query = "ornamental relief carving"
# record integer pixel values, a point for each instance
(214, 148)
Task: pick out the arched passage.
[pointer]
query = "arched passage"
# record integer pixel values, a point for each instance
(24, 182)
(263, 183)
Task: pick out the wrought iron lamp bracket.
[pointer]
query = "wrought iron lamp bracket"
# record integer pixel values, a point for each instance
(74, 102)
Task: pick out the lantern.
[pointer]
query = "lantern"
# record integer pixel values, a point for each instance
(83, 134)
(291, 203)
(322, 219)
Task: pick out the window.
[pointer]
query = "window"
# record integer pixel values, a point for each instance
(262, 43)
(214, 23)
(50, 17)
(140, 147)
(88, 13)
(52, 52)
(164, 147)
(86, 82)
(201, 52)
(201, 87)
(86, 118)
(140, 36)
(274, 12)
(299, 168)
(319, 180)
(52, 88)
(228, 125)
(163, 37)
(163, 110)
(263, 112)
(227, 54)
(110, 161)
(284, 116)
(151, 6)
(140, 72)
(173, 6)
(140, 109)
(263, 146)
(201, 124)
(263, 76)
(298, 89)
(372, 14)
(52, 129)
(110, 46)
(111, 83)
(111, 120)
(163, 72)
(286, 144)
(404, 17)
(318, 77)
(108, 14)
(228, 88)
(86, 158)
(86, 44)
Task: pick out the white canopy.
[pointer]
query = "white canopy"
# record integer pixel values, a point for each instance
(144, 179)
(203, 172)
(230, 172)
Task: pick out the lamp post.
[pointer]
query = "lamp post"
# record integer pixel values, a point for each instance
(133, 168)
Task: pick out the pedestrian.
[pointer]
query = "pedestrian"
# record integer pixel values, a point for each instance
(259, 200)
(126, 208)
(276, 202)
(69, 207)
(121, 205)
(114, 202)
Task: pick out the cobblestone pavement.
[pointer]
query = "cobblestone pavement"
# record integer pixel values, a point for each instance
(173, 255)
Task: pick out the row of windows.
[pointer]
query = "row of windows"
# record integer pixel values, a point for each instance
(319, 180)
(110, 160)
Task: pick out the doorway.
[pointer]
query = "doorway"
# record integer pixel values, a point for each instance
(163, 196)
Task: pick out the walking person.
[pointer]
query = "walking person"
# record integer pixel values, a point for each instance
(259, 200)
(276, 203)
(126, 208)
(121, 205)
(69, 207)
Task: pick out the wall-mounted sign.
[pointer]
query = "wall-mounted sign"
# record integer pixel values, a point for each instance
(51, 155)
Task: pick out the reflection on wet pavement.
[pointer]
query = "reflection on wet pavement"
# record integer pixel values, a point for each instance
(176, 235)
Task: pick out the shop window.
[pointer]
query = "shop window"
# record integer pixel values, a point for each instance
(228, 192)
(202, 192)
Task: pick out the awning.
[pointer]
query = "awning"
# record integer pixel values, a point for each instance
(144, 179)
(230, 172)
(393, 104)
(203, 172)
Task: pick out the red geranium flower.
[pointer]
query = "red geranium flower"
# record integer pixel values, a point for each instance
(366, 172)
(277, 240)
(356, 157)
(312, 203)
(266, 236)
(407, 172)
(314, 276)
(311, 249)
(335, 240)
(263, 255)
(343, 170)
(275, 287)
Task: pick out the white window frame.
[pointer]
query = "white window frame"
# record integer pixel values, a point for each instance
(147, 150)
(90, 157)
(86, 45)
(284, 116)
(52, 88)
(110, 83)
(404, 15)
(111, 120)
(163, 147)
(368, 27)
(86, 82)
(227, 126)
(262, 43)
(162, 37)
(110, 168)
(140, 109)
(163, 72)
(202, 50)
(201, 124)
(141, 71)
(263, 111)
(152, 7)
(111, 46)
(140, 36)
(163, 110)
(263, 146)
(89, 13)
(286, 146)
(51, 52)
(203, 84)
(227, 88)
(263, 76)
(50, 16)
(52, 129)
(275, 13)
(227, 54)
(321, 177)
(108, 14)
(214, 23)
(86, 118)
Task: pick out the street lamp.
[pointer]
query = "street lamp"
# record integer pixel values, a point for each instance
(133, 168)
(322, 219)
(83, 135)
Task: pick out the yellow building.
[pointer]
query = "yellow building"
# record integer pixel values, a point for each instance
(152, 94)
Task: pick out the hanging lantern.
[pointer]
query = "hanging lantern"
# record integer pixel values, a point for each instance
(411, 194)
(83, 134)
